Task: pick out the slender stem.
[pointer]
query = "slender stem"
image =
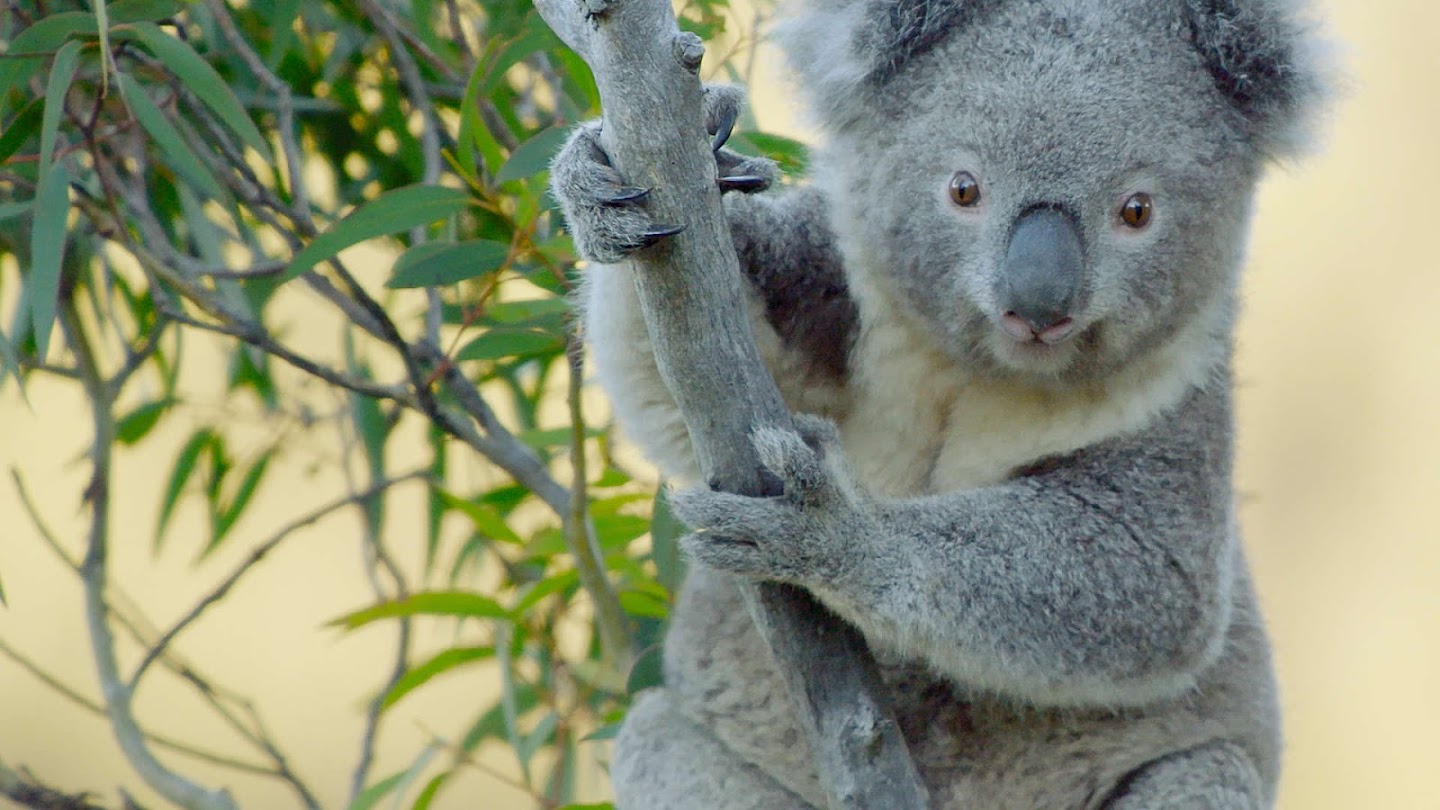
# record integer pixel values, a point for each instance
(74, 696)
(253, 558)
(579, 529)
(164, 781)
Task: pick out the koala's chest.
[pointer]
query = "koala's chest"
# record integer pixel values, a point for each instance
(918, 425)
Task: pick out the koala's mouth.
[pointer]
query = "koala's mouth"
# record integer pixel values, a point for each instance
(1025, 331)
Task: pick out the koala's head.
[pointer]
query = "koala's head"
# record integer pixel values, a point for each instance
(1055, 186)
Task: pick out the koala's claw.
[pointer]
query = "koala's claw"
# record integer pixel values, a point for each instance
(744, 183)
(653, 237)
(626, 194)
(724, 126)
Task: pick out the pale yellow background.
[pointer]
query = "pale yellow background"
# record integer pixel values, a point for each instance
(1340, 376)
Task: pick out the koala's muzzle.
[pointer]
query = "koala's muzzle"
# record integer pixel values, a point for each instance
(1040, 282)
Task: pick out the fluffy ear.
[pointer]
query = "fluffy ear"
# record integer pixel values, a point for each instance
(846, 49)
(1266, 62)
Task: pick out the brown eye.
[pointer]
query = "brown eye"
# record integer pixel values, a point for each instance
(1136, 211)
(965, 190)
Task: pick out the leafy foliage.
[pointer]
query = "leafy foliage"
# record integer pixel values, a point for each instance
(172, 172)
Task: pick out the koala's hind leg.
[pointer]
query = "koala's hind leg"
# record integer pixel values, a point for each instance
(1213, 777)
(665, 762)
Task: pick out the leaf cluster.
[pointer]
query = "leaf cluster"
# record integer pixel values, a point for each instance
(180, 178)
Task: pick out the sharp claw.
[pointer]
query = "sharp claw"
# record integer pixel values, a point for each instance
(626, 194)
(743, 182)
(726, 126)
(650, 238)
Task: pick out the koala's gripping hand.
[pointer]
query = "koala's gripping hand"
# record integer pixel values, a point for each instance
(817, 531)
(607, 216)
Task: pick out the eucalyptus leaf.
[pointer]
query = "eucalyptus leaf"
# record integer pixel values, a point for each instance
(47, 252)
(202, 80)
(394, 211)
(437, 264)
(25, 124)
(506, 342)
(430, 603)
(173, 146)
(534, 155)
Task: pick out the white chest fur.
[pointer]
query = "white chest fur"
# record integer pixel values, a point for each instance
(919, 423)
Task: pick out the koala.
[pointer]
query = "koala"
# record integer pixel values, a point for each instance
(1003, 301)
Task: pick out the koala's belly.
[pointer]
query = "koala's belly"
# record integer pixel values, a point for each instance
(974, 751)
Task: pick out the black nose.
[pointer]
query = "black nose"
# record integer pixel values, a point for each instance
(1043, 263)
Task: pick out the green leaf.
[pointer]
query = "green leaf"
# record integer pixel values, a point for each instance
(545, 587)
(599, 806)
(435, 264)
(230, 513)
(15, 209)
(534, 155)
(102, 26)
(369, 796)
(172, 144)
(134, 426)
(61, 74)
(429, 603)
(47, 250)
(179, 475)
(648, 671)
(535, 38)
(792, 155)
(665, 533)
(615, 531)
(202, 80)
(25, 124)
(30, 48)
(396, 210)
(440, 663)
(2, 595)
(502, 342)
(422, 802)
(642, 603)
(131, 11)
(486, 518)
(529, 311)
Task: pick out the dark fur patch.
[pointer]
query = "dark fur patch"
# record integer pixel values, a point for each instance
(1249, 52)
(802, 282)
(898, 30)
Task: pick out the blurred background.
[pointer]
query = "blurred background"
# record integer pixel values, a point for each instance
(1339, 472)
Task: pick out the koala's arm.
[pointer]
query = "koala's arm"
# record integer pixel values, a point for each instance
(1102, 578)
(802, 316)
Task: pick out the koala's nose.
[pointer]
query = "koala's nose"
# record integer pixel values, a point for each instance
(1041, 279)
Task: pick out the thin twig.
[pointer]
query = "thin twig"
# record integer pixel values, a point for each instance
(23, 789)
(160, 740)
(163, 780)
(252, 559)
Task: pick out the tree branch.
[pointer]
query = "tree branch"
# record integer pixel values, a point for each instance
(646, 71)
(164, 781)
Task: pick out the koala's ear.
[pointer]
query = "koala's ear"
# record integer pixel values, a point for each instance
(846, 49)
(1266, 61)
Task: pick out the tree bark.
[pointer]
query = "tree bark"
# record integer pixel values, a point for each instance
(689, 288)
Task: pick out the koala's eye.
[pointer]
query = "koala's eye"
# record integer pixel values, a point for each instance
(1136, 211)
(965, 190)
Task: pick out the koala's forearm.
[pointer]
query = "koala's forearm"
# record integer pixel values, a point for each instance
(1107, 580)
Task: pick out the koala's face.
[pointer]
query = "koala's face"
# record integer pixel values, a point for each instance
(1056, 188)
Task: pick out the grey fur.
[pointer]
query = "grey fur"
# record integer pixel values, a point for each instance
(1038, 543)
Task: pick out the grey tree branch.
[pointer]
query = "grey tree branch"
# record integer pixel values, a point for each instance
(646, 70)
(163, 780)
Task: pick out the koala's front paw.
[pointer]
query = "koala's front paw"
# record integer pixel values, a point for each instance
(607, 217)
(815, 532)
